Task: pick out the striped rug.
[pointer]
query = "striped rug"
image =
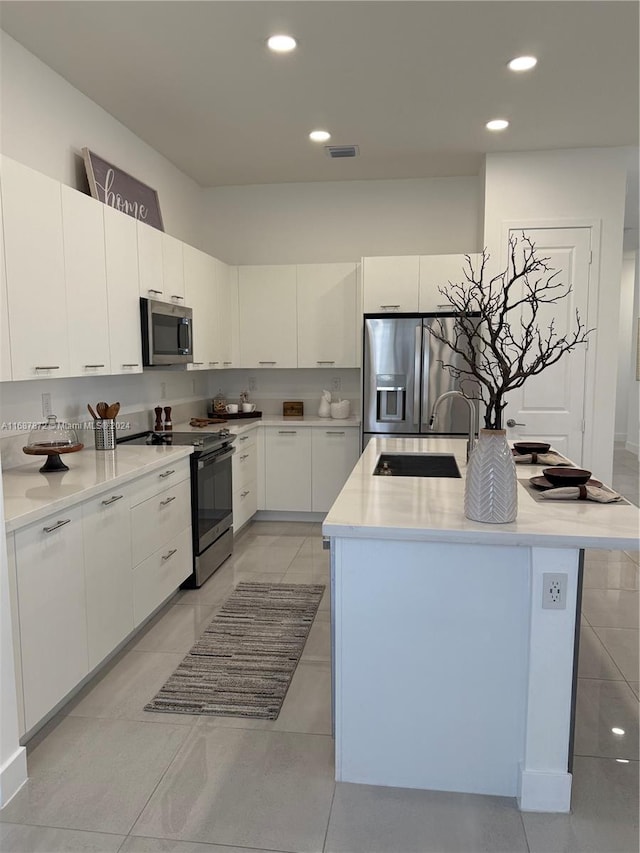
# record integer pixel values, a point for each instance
(243, 663)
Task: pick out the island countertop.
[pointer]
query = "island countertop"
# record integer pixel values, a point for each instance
(432, 509)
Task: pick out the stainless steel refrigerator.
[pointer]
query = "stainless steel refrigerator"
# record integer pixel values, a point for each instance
(402, 379)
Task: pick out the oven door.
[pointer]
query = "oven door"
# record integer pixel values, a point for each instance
(212, 497)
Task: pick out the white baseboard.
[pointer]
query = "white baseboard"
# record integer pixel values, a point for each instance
(13, 775)
(544, 792)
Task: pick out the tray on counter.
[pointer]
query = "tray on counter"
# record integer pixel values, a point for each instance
(237, 415)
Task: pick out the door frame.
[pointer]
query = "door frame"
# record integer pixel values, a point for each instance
(591, 438)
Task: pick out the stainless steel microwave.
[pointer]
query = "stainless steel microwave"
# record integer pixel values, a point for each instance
(167, 333)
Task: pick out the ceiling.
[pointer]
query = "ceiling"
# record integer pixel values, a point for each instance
(411, 83)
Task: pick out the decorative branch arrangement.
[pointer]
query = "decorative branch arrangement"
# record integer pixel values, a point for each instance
(503, 343)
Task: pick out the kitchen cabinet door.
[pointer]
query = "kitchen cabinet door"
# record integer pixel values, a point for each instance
(52, 608)
(34, 257)
(86, 283)
(161, 574)
(150, 262)
(123, 299)
(106, 527)
(288, 468)
(334, 452)
(437, 271)
(390, 284)
(229, 316)
(201, 297)
(5, 343)
(173, 269)
(267, 300)
(245, 476)
(327, 329)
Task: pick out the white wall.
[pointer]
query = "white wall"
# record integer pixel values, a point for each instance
(571, 187)
(341, 221)
(46, 122)
(626, 339)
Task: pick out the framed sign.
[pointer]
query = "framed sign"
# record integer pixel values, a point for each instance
(118, 189)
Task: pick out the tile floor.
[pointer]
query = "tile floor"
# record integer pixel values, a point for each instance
(107, 776)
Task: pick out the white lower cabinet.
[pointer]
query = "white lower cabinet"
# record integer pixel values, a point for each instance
(159, 519)
(288, 468)
(106, 528)
(334, 452)
(245, 479)
(160, 574)
(52, 610)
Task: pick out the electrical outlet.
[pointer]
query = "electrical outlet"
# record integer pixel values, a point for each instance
(336, 383)
(163, 390)
(46, 405)
(554, 591)
(252, 383)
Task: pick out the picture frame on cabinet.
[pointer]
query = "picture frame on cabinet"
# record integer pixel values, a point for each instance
(120, 190)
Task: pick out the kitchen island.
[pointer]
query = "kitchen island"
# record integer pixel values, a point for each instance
(448, 672)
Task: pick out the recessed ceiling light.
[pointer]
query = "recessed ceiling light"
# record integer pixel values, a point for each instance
(622, 760)
(522, 63)
(281, 43)
(319, 135)
(497, 124)
(617, 731)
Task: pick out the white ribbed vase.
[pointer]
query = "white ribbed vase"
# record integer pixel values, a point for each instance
(491, 487)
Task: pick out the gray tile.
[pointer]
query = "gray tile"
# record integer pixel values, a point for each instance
(17, 838)
(611, 608)
(602, 575)
(257, 577)
(94, 774)
(240, 787)
(368, 819)
(308, 575)
(604, 812)
(164, 845)
(268, 554)
(635, 686)
(123, 690)
(602, 706)
(622, 645)
(318, 645)
(283, 528)
(594, 660)
(604, 556)
(176, 629)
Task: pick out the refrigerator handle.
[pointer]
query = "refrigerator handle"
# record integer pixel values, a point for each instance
(417, 358)
(426, 370)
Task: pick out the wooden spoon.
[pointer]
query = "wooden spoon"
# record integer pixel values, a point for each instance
(91, 412)
(113, 410)
(101, 409)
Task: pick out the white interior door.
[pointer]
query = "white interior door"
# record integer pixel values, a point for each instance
(550, 406)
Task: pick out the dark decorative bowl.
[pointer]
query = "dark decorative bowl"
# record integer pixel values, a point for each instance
(567, 476)
(531, 446)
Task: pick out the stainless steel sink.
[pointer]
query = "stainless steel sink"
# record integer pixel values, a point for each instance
(416, 465)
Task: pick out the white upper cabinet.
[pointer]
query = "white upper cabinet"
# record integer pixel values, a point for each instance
(229, 316)
(34, 255)
(5, 343)
(86, 284)
(151, 262)
(267, 299)
(172, 270)
(390, 284)
(200, 296)
(326, 297)
(121, 248)
(437, 271)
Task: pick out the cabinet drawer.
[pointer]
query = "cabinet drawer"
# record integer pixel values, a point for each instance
(244, 466)
(245, 504)
(159, 519)
(160, 574)
(160, 479)
(247, 439)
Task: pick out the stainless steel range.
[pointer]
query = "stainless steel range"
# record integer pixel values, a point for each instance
(211, 495)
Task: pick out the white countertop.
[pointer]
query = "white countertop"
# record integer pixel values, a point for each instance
(431, 509)
(30, 496)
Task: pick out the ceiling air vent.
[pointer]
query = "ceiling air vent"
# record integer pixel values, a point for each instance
(339, 151)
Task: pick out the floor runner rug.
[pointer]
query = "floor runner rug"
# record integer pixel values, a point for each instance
(244, 662)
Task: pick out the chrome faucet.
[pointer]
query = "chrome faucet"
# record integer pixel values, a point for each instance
(472, 416)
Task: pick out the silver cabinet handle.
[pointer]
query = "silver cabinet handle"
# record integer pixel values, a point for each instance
(198, 362)
(94, 365)
(167, 501)
(244, 494)
(112, 500)
(57, 525)
(389, 306)
(167, 473)
(243, 437)
(287, 432)
(334, 432)
(244, 456)
(325, 362)
(175, 296)
(47, 367)
(131, 365)
(267, 362)
(151, 290)
(512, 422)
(445, 305)
(170, 554)
(227, 362)
(214, 362)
